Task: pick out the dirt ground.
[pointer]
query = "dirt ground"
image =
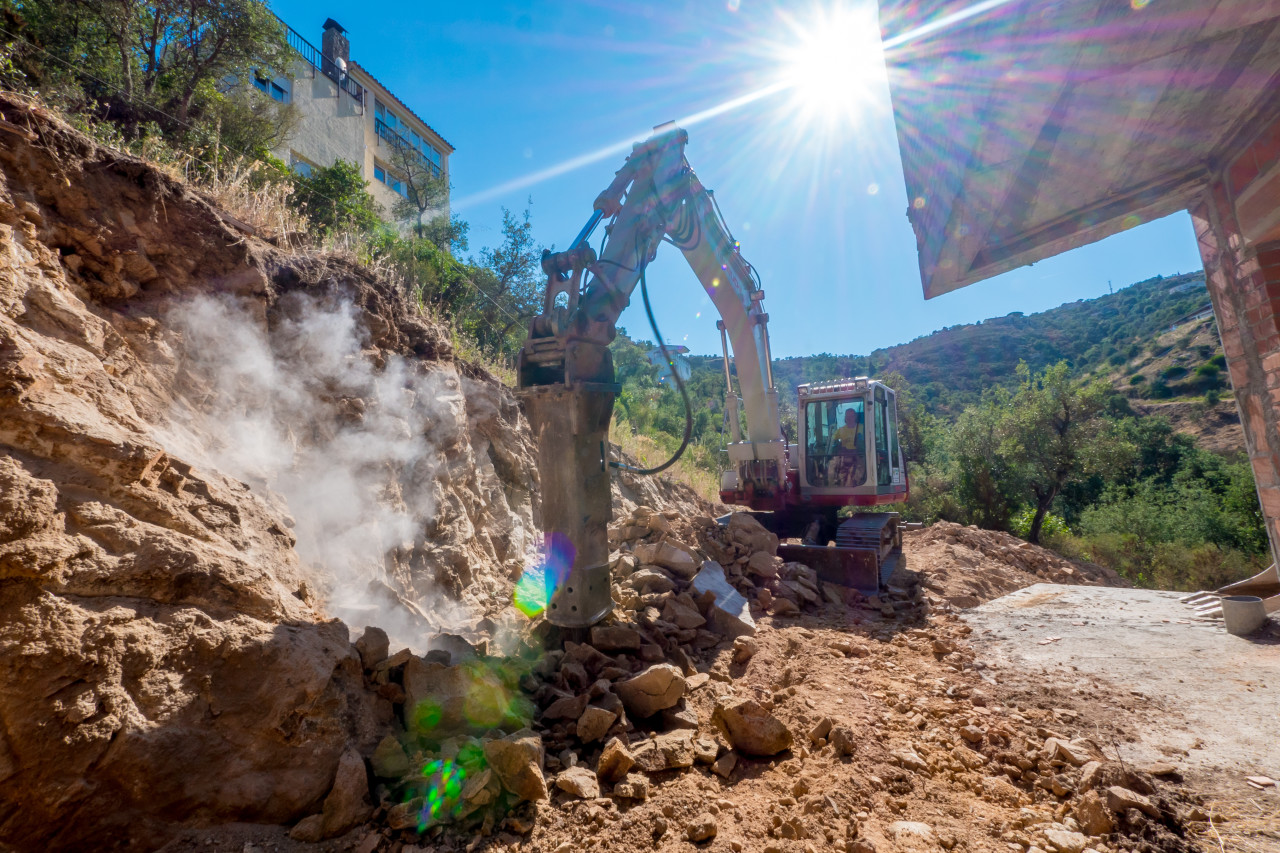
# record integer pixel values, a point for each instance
(941, 736)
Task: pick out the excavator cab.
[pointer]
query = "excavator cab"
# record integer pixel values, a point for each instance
(848, 452)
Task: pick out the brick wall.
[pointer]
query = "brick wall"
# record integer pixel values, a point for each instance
(1243, 276)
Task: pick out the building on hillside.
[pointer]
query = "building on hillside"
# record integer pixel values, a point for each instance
(679, 364)
(346, 114)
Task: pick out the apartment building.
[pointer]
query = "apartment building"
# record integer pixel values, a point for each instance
(345, 113)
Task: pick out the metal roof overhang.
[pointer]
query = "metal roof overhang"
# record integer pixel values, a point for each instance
(1029, 128)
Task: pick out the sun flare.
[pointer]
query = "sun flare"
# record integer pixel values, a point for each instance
(833, 64)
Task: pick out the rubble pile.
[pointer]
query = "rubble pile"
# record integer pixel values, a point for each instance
(731, 697)
(966, 566)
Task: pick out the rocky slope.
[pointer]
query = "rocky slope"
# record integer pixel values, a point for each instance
(166, 656)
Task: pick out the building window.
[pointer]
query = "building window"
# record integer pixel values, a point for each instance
(390, 180)
(401, 127)
(277, 88)
(300, 167)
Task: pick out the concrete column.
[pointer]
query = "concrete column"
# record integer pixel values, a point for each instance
(1237, 224)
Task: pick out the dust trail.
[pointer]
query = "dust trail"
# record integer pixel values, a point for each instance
(351, 447)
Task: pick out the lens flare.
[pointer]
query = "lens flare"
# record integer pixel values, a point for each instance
(443, 796)
(540, 582)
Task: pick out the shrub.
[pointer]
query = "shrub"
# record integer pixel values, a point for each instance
(1137, 379)
(1052, 526)
(1173, 371)
(1159, 390)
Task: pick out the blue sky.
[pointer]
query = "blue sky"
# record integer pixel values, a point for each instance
(542, 99)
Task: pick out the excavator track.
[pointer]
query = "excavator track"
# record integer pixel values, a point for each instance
(867, 551)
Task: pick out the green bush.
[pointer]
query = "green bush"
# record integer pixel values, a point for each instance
(1159, 390)
(1137, 379)
(1052, 526)
(1173, 371)
(336, 199)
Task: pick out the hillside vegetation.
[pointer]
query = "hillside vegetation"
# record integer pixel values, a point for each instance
(982, 417)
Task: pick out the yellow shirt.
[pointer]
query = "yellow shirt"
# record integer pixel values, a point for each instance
(850, 438)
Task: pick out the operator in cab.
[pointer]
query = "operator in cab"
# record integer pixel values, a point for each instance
(848, 443)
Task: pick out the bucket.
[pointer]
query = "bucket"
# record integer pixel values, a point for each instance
(1243, 614)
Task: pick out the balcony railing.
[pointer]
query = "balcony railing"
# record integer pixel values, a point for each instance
(322, 63)
(399, 142)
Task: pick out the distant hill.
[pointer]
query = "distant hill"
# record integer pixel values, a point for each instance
(1117, 335)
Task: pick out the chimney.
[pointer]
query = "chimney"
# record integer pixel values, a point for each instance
(334, 45)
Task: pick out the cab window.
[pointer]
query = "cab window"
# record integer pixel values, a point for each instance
(835, 442)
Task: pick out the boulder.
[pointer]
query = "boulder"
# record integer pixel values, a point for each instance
(615, 761)
(634, 787)
(373, 647)
(723, 766)
(682, 615)
(1120, 800)
(389, 760)
(702, 828)
(751, 534)
(750, 728)
(594, 723)
(729, 613)
(1065, 841)
(649, 580)
(1093, 816)
(763, 565)
(517, 760)
(616, 638)
(668, 751)
(580, 782)
(348, 801)
(671, 557)
(658, 687)
(442, 701)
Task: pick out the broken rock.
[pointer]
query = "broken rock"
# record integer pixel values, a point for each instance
(594, 723)
(703, 828)
(634, 787)
(1093, 816)
(658, 687)
(669, 556)
(615, 761)
(517, 759)
(580, 782)
(1120, 800)
(729, 613)
(751, 729)
(616, 638)
(348, 801)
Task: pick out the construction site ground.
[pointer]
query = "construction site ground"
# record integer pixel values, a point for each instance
(1196, 698)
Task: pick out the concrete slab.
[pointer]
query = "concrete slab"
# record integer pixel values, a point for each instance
(1196, 696)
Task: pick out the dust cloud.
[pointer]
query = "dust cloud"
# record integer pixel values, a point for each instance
(307, 416)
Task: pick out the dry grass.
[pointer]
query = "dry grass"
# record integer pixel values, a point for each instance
(1250, 825)
(692, 469)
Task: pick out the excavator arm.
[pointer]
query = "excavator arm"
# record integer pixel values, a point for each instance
(566, 373)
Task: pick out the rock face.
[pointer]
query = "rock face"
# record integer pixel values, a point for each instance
(165, 654)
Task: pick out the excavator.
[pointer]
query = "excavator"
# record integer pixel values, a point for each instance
(847, 453)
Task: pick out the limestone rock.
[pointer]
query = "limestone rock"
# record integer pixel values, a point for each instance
(517, 759)
(912, 835)
(681, 615)
(750, 728)
(729, 613)
(751, 534)
(615, 760)
(702, 828)
(744, 648)
(705, 750)
(723, 766)
(1120, 800)
(658, 687)
(634, 787)
(669, 556)
(1065, 841)
(373, 647)
(594, 723)
(580, 782)
(665, 752)
(1093, 816)
(348, 802)
(842, 741)
(389, 760)
(763, 565)
(615, 638)
(308, 830)
(909, 759)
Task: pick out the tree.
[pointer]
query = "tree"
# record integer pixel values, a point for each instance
(1053, 432)
(335, 198)
(426, 197)
(510, 281)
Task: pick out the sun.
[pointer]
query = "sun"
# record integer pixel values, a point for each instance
(832, 64)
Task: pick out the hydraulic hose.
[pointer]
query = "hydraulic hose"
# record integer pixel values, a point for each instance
(675, 374)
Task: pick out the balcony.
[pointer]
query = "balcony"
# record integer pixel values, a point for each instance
(397, 141)
(322, 63)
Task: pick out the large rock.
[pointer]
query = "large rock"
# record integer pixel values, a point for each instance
(615, 760)
(751, 729)
(594, 723)
(442, 701)
(658, 687)
(668, 555)
(729, 613)
(348, 802)
(373, 646)
(751, 534)
(1120, 800)
(616, 638)
(580, 782)
(668, 751)
(517, 760)
(1093, 816)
